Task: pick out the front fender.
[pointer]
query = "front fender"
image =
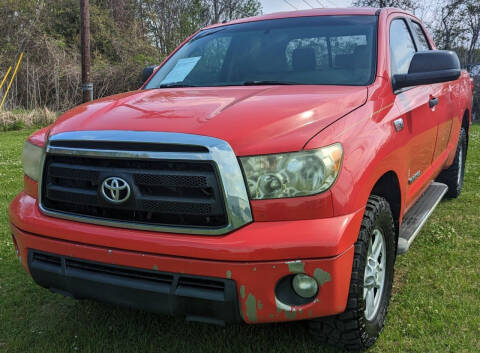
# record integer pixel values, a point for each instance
(372, 147)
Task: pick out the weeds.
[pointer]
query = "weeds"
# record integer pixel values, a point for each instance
(20, 119)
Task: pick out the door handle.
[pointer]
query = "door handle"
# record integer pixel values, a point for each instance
(433, 102)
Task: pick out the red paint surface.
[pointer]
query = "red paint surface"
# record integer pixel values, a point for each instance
(295, 208)
(30, 186)
(252, 119)
(262, 120)
(258, 241)
(40, 137)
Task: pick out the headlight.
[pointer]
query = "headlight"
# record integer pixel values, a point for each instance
(292, 174)
(32, 157)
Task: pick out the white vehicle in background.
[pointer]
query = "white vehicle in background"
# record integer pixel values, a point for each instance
(474, 70)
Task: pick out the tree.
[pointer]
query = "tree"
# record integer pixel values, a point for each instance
(402, 4)
(458, 27)
(471, 12)
(126, 35)
(169, 22)
(448, 28)
(232, 9)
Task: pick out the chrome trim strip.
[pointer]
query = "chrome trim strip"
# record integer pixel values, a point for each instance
(427, 216)
(404, 245)
(231, 179)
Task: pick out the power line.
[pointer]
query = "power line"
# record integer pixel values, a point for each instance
(87, 87)
(331, 3)
(296, 8)
(310, 6)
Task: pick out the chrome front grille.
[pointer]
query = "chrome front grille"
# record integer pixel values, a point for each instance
(179, 183)
(164, 193)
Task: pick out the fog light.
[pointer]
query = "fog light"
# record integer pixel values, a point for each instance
(305, 286)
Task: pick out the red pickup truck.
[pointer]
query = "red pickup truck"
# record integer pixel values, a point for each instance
(269, 170)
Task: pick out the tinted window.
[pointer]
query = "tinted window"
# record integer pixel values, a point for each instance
(402, 48)
(330, 50)
(318, 45)
(346, 48)
(207, 60)
(422, 39)
(336, 52)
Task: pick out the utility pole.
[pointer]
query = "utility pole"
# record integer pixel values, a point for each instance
(87, 86)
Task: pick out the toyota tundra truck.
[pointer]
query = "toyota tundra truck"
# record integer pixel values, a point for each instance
(269, 170)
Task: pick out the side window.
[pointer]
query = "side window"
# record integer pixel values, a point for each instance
(422, 39)
(402, 48)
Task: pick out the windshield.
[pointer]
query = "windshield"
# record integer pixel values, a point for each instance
(321, 50)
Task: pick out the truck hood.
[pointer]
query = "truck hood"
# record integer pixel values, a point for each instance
(253, 120)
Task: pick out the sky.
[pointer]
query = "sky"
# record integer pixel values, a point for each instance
(270, 6)
(425, 12)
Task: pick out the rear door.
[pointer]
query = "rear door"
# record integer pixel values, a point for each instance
(413, 104)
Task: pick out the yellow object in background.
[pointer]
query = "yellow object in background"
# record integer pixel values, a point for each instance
(5, 77)
(11, 79)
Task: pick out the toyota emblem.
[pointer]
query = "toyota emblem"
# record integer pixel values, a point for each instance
(116, 190)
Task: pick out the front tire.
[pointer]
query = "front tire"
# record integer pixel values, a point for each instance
(453, 176)
(371, 283)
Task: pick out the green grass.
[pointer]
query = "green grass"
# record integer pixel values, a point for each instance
(435, 307)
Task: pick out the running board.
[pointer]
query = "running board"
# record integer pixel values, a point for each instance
(416, 217)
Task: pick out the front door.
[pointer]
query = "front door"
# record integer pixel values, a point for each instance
(440, 98)
(414, 106)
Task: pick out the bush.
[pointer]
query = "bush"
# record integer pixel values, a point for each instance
(19, 119)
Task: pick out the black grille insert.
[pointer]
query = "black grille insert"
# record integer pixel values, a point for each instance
(47, 259)
(181, 283)
(129, 146)
(119, 271)
(164, 192)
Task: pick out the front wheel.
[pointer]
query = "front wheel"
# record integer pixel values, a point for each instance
(371, 284)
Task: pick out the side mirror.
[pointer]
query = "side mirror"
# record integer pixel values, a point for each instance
(429, 67)
(147, 72)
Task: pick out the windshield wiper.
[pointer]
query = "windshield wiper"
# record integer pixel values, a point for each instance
(268, 82)
(245, 83)
(176, 85)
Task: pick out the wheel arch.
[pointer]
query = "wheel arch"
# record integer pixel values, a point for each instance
(388, 187)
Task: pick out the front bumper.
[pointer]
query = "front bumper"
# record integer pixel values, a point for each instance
(254, 258)
(204, 299)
